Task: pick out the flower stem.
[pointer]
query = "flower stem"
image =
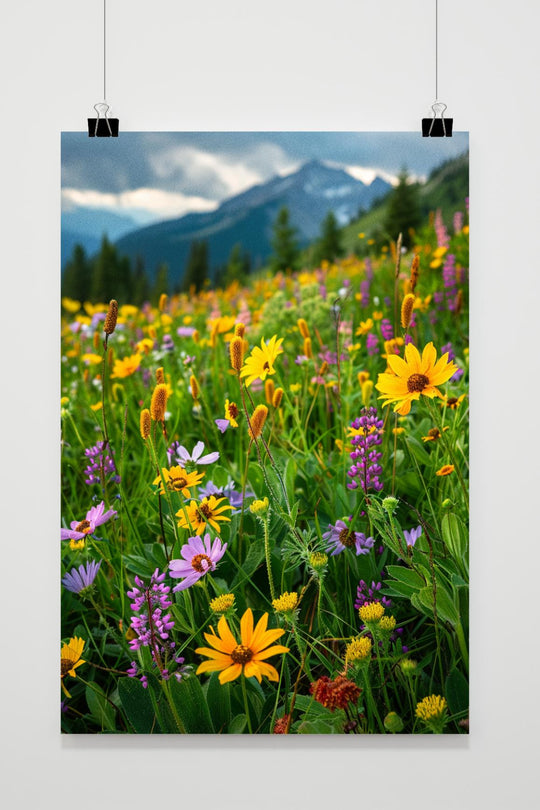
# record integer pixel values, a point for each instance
(268, 559)
(246, 705)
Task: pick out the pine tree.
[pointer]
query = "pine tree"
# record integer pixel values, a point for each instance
(284, 244)
(238, 266)
(105, 272)
(196, 273)
(329, 246)
(161, 283)
(76, 277)
(404, 212)
(141, 287)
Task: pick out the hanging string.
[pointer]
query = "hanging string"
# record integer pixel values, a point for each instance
(104, 50)
(436, 50)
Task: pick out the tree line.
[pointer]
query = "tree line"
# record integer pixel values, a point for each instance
(109, 275)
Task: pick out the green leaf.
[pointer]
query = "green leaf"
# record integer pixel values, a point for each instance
(320, 726)
(100, 709)
(219, 703)
(418, 451)
(454, 534)
(137, 704)
(254, 558)
(238, 724)
(407, 576)
(456, 690)
(289, 478)
(445, 607)
(191, 706)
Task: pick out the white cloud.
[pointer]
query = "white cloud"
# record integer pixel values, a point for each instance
(143, 204)
(220, 175)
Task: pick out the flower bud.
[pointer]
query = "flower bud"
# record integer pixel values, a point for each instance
(110, 319)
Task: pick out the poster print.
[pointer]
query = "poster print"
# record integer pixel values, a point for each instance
(264, 434)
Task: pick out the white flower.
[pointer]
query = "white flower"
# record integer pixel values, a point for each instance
(196, 457)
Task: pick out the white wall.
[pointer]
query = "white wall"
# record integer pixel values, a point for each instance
(344, 65)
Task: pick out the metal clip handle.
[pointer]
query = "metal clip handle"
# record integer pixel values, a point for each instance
(102, 107)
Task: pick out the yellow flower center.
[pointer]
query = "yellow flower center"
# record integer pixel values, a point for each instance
(417, 382)
(83, 526)
(178, 483)
(347, 538)
(197, 563)
(241, 654)
(434, 433)
(65, 665)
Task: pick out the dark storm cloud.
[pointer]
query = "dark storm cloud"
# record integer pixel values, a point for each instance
(192, 163)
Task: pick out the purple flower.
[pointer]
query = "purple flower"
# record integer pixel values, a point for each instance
(341, 536)
(372, 343)
(95, 517)
(412, 536)
(228, 491)
(366, 436)
(152, 623)
(199, 557)
(183, 457)
(366, 593)
(185, 331)
(387, 330)
(80, 579)
(222, 424)
(98, 459)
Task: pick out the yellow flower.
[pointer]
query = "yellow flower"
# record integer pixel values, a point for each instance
(261, 361)
(453, 402)
(91, 359)
(365, 327)
(377, 315)
(126, 367)
(71, 305)
(410, 377)
(286, 603)
(70, 659)
(259, 507)
(223, 603)
(294, 388)
(97, 406)
(145, 345)
(434, 434)
(199, 514)
(232, 659)
(231, 413)
(387, 623)
(431, 707)
(77, 545)
(446, 470)
(178, 480)
(358, 649)
(371, 612)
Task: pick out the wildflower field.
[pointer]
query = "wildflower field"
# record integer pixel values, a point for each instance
(265, 501)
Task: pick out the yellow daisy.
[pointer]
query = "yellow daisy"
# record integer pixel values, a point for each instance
(261, 361)
(408, 378)
(178, 480)
(248, 658)
(70, 659)
(126, 367)
(231, 413)
(195, 516)
(448, 469)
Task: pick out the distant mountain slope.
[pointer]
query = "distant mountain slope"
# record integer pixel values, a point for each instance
(309, 194)
(86, 227)
(446, 189)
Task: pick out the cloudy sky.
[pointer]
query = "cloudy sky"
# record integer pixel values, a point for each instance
(152, 176)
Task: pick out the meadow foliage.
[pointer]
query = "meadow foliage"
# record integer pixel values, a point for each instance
(265, 501)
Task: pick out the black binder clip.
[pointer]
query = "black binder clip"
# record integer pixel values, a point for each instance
(437, 127)
(102, 127)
